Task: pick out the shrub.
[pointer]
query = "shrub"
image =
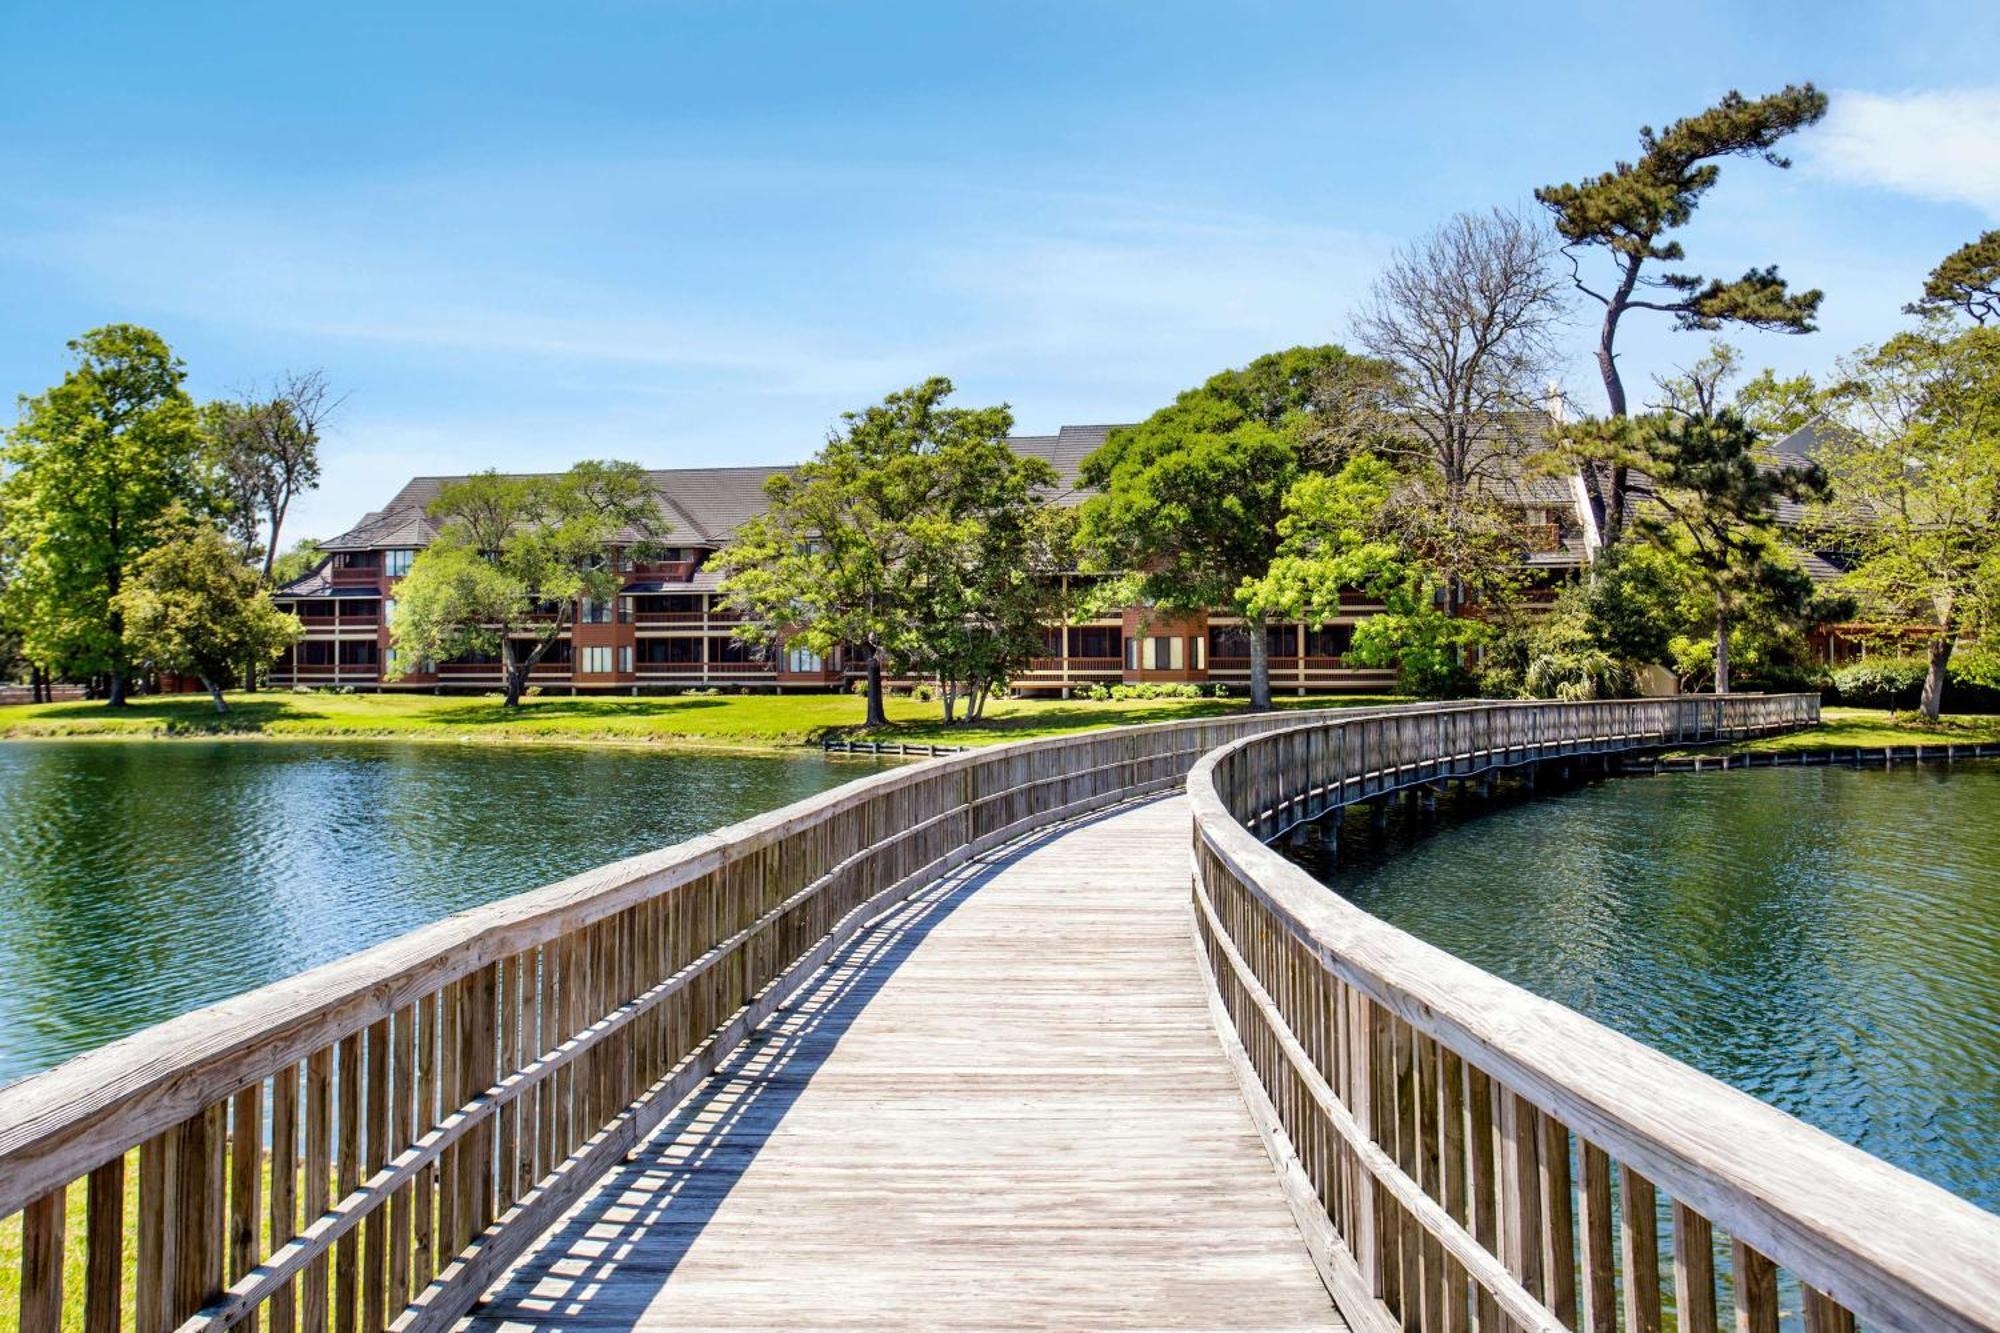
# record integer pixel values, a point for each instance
(923, 694)
(1219, 690)
(1898, 682)
(1156, 690)
(1095, 692)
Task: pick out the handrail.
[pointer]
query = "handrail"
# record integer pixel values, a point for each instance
(1448, 1139)
(376, 1138)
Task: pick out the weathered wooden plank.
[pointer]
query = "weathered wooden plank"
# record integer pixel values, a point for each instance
(1694, 1271)
(246, 1172)
(313, 1292)
(1756, 1290)
(375, 1231)
(283, 1310)
(1558, 1222)
(402, 1132)
(104, 1258)
(42, 1264)
(1639, 1250)
(1600, 1270)
(154, 1278)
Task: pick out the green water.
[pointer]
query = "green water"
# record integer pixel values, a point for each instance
(139, 881)
(1825, 939)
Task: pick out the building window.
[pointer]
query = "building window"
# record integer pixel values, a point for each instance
(315, 652)
(1164, 652)
(1095, 641)
(388, 610)
(357, 560)
(1131, 654)
(594, 612)
(670, 650)
(597, 660)
(358, 653)
(1228, 641)
(1282, 640)
(625, 659)
(1329, 641)
(1195, 645)
(800, 659)
(397, 563)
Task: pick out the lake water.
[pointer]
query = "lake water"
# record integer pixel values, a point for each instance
(1826, 939)
(141, 880)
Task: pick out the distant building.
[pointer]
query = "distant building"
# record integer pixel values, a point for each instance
(667, 630)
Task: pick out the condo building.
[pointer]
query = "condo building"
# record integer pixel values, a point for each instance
(668, 629)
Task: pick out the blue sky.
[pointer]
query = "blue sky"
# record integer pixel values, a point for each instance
(517, 235)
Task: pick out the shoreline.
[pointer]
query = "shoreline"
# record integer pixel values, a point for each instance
(660, 743)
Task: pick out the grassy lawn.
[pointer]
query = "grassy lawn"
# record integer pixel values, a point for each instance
(1871, 728)
(757, 721)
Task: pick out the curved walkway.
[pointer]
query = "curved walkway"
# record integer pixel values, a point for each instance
(1002, 1105)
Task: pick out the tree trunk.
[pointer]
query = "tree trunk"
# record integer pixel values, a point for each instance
(1721, 651)
(948, 696)
(877, 716)
(1260, 668)
(114, 695)
(512, 677)
(1932, 702)
(1614, 394)
(215, 693)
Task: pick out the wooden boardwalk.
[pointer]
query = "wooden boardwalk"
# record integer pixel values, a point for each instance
(1003, 1105)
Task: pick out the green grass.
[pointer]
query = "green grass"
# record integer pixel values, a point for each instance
(1871, 729)
(761, 721)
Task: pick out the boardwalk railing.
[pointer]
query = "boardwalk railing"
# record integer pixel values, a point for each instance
(369, 1144)
(1462, 1154)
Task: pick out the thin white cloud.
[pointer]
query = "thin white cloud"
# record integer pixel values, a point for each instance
(1942, 145)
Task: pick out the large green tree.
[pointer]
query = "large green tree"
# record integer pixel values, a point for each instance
(1709, 502)
(874, 546)
(1629, 212)
(1916, 476)
(513, 557)
(192, 607)
(987, 565)
(1189, 500)
(93, 465)
(1342, 532)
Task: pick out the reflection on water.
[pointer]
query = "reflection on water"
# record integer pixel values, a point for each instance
(1825, 939)
(139, 881)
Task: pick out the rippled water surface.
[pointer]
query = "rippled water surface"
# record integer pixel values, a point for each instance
(1825, 939)
(139, 881)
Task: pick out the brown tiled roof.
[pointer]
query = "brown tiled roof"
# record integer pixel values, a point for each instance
(702, 506)
(705, 506)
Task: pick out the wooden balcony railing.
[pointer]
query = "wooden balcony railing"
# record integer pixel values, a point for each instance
(1450, 1143)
